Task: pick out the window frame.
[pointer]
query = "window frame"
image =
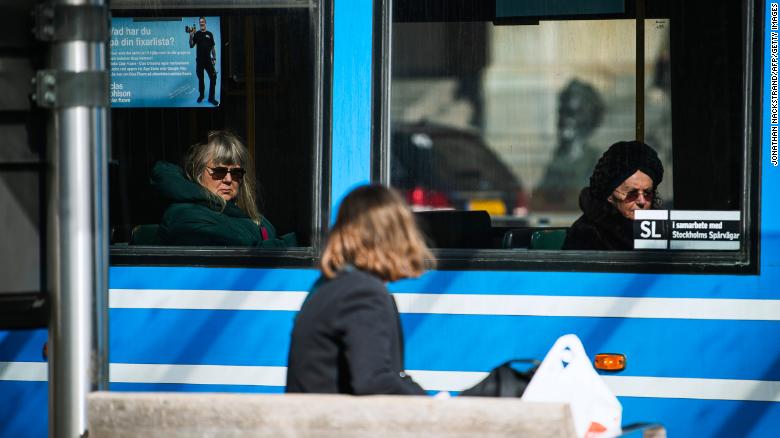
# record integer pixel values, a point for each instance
(321, 24)
(744, 261)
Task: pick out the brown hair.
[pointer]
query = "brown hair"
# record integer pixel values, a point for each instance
(375, 232)
(224, 148)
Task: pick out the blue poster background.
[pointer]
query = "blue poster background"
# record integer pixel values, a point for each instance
(152, 64)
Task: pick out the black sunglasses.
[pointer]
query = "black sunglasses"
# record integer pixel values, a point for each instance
(218, 173)
(633, 194)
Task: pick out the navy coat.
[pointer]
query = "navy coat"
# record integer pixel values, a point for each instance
(347, 339)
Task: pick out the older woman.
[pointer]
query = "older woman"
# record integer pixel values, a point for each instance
(624, 180)
(347, 337)
(212, 201)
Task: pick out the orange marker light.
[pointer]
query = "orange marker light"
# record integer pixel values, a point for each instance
(610, 362)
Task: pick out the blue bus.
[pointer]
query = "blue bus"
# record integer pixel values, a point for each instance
(489, 117)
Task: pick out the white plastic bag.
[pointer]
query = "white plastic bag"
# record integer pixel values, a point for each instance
(567, 376)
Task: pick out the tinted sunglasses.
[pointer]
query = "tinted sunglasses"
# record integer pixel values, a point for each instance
(633, 194)
(218, 173)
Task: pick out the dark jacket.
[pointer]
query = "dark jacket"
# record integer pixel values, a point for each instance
(601, 227)
(193, 218)
(347, 339)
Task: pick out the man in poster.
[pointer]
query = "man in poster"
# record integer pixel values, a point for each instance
(206, 58)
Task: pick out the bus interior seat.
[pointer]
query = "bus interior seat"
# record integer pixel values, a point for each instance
(548, 238)
(145, 234)
(516, 238)
(455, 228)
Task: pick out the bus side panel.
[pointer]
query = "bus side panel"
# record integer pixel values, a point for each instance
(23, 385)
(23, 409)
(674, 348)
(259, 339)
(224, 337)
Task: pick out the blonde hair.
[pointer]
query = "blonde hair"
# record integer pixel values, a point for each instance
(375, 231)
(223, 147)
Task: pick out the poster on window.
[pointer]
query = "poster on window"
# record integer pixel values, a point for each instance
(165, 62)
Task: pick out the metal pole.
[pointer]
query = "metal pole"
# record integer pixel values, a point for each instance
(386, 83)
(640, 70)
(77, 225)
(249, 74)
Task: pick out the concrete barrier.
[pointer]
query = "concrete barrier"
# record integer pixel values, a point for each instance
(127, 414)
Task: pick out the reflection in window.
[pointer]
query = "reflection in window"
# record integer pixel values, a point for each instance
(515, 117)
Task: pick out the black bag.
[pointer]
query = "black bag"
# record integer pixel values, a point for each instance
(504, 380)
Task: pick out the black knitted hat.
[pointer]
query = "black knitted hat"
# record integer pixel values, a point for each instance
(619, 162)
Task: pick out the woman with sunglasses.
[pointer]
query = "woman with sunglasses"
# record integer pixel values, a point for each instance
(212, 200)
(347, 337)
(625, 179)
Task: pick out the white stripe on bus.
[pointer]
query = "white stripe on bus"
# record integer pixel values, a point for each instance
(23, 371)
(205, 299)
(467, 304)
(626, 386)
(198, 374)
(650, 244)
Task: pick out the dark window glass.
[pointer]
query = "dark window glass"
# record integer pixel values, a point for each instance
(22, 166)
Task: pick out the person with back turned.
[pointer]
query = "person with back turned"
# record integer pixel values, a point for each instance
(347, 337)
(625, 179)
(205, 58)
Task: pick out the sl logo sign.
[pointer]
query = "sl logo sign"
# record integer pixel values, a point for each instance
(648, 230)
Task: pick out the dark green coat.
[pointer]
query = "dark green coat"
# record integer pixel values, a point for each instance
(192, 218)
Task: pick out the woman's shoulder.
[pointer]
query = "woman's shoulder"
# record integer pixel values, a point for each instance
(166, 167)
(583, 234)
(345, 295)
(165, 173)
(169, 181)
(583, 223)
(352, 282)
(356, 275)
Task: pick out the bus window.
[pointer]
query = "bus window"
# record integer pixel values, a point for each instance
(509, 114)
(181, 71)
(546, 115)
